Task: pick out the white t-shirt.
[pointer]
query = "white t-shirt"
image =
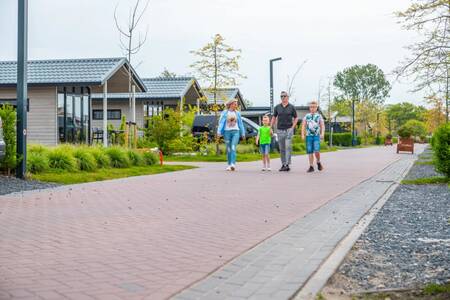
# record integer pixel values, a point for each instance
(231, 123)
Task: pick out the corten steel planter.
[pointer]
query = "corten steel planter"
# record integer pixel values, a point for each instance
(406, 145)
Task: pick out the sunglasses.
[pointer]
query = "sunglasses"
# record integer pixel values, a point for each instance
(283, 96)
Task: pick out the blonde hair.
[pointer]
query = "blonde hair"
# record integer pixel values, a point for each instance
(231, 101)
(314, 102)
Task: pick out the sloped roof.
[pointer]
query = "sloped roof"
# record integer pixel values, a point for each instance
(159, 88)
(223, 95)
(84, 71)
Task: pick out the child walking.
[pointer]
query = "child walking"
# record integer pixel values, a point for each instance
(264, 139)
(313, 130)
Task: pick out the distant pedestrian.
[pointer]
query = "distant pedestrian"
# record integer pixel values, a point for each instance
(232, 129)
(285, 118)
(264, 139)
(313, 129)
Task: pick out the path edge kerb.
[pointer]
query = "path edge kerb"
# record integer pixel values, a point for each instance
(284, 228)
(346, 243)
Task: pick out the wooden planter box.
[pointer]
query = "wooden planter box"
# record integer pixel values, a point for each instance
(406, 145)
(388, 142)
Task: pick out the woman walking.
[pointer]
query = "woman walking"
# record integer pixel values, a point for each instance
(232, 129)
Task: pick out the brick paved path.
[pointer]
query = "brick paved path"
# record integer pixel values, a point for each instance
(150, 237)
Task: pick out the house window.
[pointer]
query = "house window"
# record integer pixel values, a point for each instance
(73, 114)
(113, 114)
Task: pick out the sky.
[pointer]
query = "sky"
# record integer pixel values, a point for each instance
(330, 35)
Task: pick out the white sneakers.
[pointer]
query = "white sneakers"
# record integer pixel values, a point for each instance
(231, 168)
(266, 169)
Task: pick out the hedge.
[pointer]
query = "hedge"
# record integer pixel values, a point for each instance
(441, 149)
(342, 139)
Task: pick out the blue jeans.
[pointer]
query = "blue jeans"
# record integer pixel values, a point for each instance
(312, 144)
(264, 149)
(231, 138)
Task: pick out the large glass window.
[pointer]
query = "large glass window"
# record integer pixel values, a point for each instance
(73, 115)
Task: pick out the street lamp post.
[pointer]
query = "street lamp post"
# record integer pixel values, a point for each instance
(353, 124)
(271, 82)
(22, 46)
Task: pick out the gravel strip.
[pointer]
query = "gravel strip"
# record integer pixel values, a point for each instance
(12, 185)
(407, 245)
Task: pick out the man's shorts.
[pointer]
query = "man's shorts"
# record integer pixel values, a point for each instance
(312, 144)
(264, 149)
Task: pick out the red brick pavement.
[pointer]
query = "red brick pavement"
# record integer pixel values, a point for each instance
(149, 237)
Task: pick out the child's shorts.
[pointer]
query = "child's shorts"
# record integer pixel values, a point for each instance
(264, 149)
(312, 144)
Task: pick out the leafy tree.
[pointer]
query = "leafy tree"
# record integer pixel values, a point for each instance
(417, 128)
(167, 74)
(400, 113)
(164, 128)
(365, 85)
(435, 115)
(217, 65)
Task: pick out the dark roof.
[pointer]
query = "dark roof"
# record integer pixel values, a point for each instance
(83, 71)
(159, 88)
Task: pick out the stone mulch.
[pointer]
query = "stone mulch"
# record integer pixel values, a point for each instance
(13, 185)
(406, 246)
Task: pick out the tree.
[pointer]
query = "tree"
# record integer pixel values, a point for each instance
(398, 114)
(129, 46)
(164, 128)
(418, 128)
(217, 65)
(429, 61)
(435, 115)
(365, 85)
(291, 79)
(167, 74)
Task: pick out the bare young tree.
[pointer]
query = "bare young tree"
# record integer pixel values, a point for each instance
(429, 61)
(291, 80)
(127, 38)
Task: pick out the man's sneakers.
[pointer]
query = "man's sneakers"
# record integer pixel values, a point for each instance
(310, 170)
(285, 168)
(319, 166)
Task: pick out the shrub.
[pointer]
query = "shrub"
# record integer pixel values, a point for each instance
(441, 148)
(37, 162)
(150, 158)
(145, 143)
(182, 144)
(118, 157)
(342, 139)
(164, 128)
(135, 158)
(37, 149)
(417, 128)
(102, 159)
(404, 132)
(60, 158)
(8, 116)
(85, 160)
(298, 147)
(244, 149)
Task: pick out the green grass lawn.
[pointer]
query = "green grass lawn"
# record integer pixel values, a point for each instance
(245, 157)
(64, 177)
(427, 180)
